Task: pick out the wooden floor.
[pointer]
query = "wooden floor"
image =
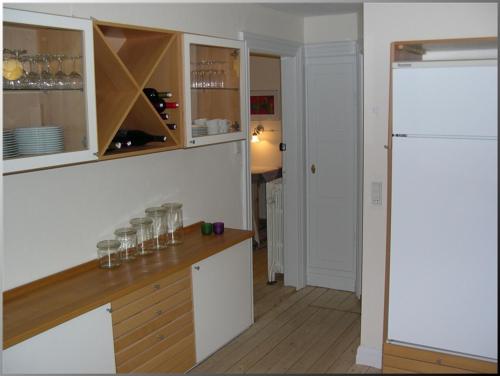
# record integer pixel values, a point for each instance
(313, 330)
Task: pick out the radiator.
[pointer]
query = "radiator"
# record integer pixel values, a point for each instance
(274, 200)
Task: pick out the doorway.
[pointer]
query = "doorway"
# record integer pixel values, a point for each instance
(266, 167)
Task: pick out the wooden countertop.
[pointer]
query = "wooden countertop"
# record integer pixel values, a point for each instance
(43, 304)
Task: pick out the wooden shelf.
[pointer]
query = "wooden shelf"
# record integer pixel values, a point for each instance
(43, 304)
(128, 59)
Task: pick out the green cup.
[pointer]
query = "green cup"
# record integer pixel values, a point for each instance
(206, 228)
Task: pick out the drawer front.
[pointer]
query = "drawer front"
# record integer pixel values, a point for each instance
(149, 289)
(150, 300)
(153, 348)
(152, 327)
(167, 361)
(401, 359)
(150, 313)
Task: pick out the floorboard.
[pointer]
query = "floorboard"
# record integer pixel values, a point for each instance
(313, 330)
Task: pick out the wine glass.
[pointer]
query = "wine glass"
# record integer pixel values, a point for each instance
(75, 79)
(46, 80)
(60, 78)
(14, 55)
(33, 76)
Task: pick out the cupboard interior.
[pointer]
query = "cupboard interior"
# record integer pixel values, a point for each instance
(50, 107)
(127, 60)
(216, 102)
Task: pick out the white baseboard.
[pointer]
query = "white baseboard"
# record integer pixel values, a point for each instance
(369, 356)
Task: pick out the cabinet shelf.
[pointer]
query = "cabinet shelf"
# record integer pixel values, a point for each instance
(215, 88)
(129, 59)
(45, 91)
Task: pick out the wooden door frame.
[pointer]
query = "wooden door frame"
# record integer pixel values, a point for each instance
(293, 135)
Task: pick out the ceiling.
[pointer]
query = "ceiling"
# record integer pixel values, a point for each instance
(316, 9)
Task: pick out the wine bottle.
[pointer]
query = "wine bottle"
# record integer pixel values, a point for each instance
(172, 126)
(117, 145)
(136, 137)
(171, 104)
(154, 94)
(160, 105)
(164, 116)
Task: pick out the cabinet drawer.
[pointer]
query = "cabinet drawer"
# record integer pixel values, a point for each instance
(167, 361)
(151, 326)
(155, 344)
(150, 313)
(149, 289)
(149, 300)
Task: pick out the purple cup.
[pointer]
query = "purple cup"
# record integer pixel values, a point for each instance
(218, 228)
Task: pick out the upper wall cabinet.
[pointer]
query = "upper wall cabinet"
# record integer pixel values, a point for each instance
(48, 91)
(139, 88)
(214, 93)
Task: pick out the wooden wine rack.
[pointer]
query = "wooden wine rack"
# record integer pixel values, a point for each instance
(128, 59)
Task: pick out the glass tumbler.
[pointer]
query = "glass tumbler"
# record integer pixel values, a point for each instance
(144, 228)
(157, 214)
(127, 236)
(173, 215)
(108, 252)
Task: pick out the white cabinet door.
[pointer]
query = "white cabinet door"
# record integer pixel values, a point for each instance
(81, 345)
(215, 88)
(48, 122)
(222, 298)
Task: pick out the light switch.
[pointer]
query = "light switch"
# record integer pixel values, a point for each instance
(376, 193)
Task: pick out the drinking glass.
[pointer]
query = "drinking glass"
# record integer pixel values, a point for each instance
(46, 80)
(75, 79)
(60, 78)
(33, 76)
(14, 55)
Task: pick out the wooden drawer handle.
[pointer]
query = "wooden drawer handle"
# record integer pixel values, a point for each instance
(156, 286)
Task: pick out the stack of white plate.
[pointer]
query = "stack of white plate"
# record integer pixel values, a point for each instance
(199, 130)
(39, 140)
(9, 144)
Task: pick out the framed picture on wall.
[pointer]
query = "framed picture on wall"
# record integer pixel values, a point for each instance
(265, 105)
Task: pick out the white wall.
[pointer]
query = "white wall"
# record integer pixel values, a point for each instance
(331, 28)
(54, 218)
(383, 24)
(223, 20)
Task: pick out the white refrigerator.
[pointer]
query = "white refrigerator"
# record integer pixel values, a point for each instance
(443, 245)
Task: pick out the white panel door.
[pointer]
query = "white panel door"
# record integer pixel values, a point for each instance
(81, 345)
(331, 107)
(436, 99)
(443, 264)
(222, 298)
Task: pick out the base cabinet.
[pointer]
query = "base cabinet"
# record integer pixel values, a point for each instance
(71, 347)
(164, 326)
(222, 298)
(404, 359)
(153, 327)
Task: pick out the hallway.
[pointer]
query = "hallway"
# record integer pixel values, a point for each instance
(314, 330)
